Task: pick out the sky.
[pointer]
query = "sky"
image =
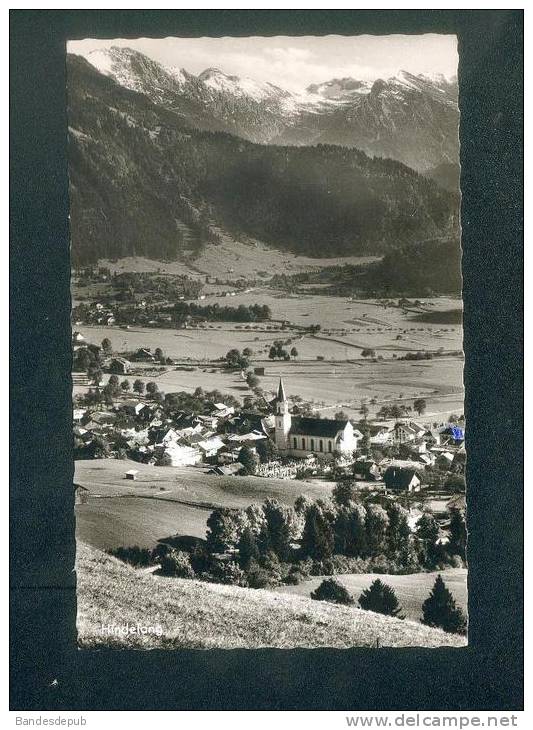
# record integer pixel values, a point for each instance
(295, 62)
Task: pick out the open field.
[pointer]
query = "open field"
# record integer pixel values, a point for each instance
(125, 521)
(232, 259)
(411, 590)
(342, 378)
(165, 501)
(334, 385)
(198, 615)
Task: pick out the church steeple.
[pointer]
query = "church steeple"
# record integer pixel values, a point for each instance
(283, 418)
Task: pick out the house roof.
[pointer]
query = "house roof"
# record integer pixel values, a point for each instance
(458, 501)
(399, 477)
(210, 444)
(103, 417)
(376, 428)
(327, 427)
(251, 436)
(223, 407)
(226, 470)
(406, 427)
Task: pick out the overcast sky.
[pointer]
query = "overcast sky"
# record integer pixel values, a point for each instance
(295, 62)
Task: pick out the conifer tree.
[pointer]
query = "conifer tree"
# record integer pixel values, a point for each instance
(333, 591)
(457, 544)
(317, 538)
(377, 522)
(440, 610)
(381, 598)
(398, 532)
(248, 549)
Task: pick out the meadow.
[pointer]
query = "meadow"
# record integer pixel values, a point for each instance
(411, 590)
(197, 615)
(341, 377)
(165, 501)
(232, 259)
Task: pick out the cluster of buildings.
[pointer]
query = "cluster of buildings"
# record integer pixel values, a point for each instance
(439, 449)
(94, 313)
(148, 433)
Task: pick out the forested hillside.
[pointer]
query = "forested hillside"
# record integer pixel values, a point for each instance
(144, 184)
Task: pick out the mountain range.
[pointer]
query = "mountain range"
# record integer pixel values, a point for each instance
(145, 181)
(410, 118)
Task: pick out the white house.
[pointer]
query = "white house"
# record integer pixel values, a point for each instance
(301, 437)
(182, 455)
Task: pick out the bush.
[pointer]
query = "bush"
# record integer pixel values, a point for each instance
(294, 577)
(381, 598)
(333, 591)
(229, 572)
(345, 492)
(382, 564)
(456, 561)
(176, 563)
(258, 577)
(305, 567)
(135, 555)
(275, 568)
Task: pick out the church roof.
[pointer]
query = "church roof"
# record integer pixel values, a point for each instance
(328, 427)
(281, 391)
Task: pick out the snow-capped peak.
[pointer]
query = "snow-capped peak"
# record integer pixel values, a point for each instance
(217, 80)
(102, 59)
(179, 74)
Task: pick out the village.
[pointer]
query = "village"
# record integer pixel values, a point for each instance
(270, 435)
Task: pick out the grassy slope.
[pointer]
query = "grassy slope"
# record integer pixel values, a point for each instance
(189, 485)
(207, 616)
(164, 501)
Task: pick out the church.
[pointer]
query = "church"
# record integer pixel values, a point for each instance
(301, 437)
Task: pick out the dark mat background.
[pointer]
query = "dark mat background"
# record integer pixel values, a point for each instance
(487, 674)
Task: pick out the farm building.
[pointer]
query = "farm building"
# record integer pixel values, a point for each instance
(221, 410)
(299, 436)
(401, 479)
(404, 433)
(454, 434)
(367, 469)
(180, 454)
(143, 354)
(131, 474)
(78, 340)
(380, 434)
(444, 460)
(226, 470)
(457, 502)
(119, 366)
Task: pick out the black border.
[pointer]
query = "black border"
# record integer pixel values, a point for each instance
(487, 674)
